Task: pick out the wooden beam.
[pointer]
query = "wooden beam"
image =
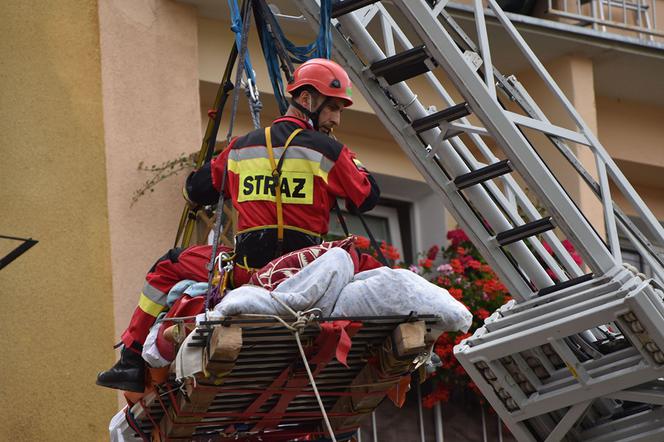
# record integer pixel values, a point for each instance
(393, 360)
(224, 349)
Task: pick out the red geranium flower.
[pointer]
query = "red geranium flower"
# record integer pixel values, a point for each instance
(456, 293)
(425, 263)
(474, 264)
(457, 236)
(482, 313)
(362, 243)
(457, 267)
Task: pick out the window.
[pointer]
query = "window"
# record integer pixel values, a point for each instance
(386, 222)
(629, 253)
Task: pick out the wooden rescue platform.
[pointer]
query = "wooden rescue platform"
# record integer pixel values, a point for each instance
(254, 385)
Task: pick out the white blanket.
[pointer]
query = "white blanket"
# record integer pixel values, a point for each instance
(316, 285)
(328, 283)
(385, 292)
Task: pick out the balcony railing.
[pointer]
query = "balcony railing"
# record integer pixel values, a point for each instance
(636, 18)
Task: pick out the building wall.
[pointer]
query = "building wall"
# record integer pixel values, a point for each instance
(632, 131)
(633, 135)
(57, 302)
(149, 69)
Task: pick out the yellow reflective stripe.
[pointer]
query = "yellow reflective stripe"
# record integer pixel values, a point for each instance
(149, 306)
(289, 164)
(280, 212)
(277, 186)
(274, 226)
(276, 174)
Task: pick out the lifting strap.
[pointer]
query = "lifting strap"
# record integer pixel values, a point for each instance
(189, 214)
(276, 179)
(242, 51)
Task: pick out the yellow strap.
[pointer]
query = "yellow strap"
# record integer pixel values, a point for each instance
(277, 177)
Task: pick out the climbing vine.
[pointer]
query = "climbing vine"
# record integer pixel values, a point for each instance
(183, 162)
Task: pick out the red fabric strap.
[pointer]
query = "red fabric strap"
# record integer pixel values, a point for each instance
(333, 340)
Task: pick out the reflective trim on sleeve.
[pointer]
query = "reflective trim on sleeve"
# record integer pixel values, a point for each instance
(154, 294)
(149, 306)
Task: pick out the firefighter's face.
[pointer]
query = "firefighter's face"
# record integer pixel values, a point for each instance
(330, 116)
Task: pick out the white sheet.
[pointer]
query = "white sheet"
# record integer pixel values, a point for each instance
(316, 285)
(385, 292)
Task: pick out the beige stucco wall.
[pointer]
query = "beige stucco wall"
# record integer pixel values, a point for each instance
(633, 134)
(652, 196)
(151, 114)
(632, 131)
(57, 308)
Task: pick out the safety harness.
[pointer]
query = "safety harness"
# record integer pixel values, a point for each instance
(276, 179)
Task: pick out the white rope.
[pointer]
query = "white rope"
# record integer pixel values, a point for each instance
(313, 385)
(301, 321)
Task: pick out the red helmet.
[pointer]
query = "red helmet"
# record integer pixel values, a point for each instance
(324, 75)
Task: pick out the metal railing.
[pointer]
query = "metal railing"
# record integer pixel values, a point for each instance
(634, 17)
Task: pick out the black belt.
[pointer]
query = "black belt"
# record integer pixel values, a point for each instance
(256, 248)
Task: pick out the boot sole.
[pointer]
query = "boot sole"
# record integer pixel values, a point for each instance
(124, 386)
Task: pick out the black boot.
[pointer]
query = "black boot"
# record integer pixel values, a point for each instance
(127, 374)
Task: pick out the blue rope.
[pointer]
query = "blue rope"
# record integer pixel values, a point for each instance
(272, 62)
(319, 48)
(236, 26)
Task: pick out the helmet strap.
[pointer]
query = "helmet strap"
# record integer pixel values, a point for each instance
(312, 115)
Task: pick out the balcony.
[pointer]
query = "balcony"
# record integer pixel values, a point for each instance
(637, 18)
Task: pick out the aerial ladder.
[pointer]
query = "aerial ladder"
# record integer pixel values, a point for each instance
(578, 354)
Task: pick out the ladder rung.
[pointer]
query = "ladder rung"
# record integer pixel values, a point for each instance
(484, 174)
(565, 284)
(450, 114)
(525, 231)
(348, 6)
(402, 66)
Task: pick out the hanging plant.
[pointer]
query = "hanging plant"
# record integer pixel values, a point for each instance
(183, 162)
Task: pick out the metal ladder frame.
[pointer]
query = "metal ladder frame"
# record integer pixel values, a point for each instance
(443, 158)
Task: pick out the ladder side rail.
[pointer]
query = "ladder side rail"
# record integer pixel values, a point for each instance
(640, 427)
(521, 96)
(567, 216)
(655, 265)
(511, 186)
(356, 40)
(518, 93)
(619, 179)
(386, 112)
(510, 183)
(485, 52)
(516, 219)
(402, 93)
(636, 237)
(607, 203)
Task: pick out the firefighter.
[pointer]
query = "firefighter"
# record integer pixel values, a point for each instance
(283, 181)
(313, 170)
